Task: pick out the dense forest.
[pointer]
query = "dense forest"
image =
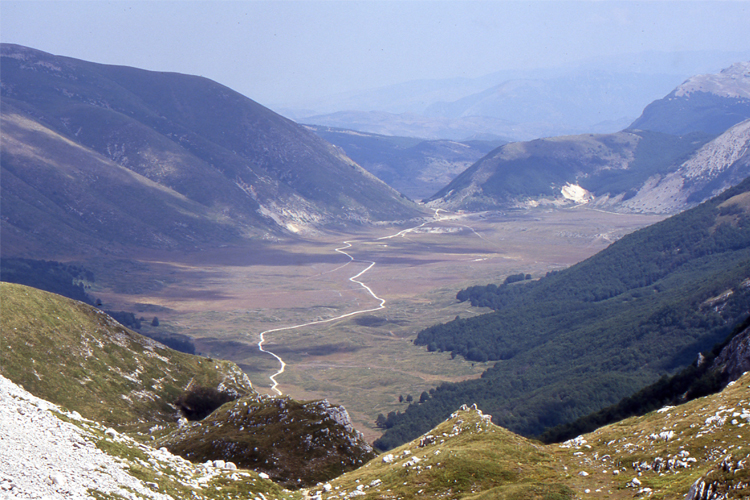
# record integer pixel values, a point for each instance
(699, 379)
(579, 340)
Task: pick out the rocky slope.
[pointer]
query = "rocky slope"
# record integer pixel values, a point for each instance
(715, 167)
(225, 161)
(53, 453)
(296, 444)
(709, 103)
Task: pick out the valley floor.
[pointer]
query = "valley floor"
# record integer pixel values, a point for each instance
(224, 298)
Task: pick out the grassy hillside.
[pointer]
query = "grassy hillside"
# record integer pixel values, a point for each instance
(76, 356)
(582, 339)
(667, 451)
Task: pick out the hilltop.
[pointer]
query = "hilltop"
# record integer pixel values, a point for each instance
(709, 103)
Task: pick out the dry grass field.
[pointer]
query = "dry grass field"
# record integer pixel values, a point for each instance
(225, 297)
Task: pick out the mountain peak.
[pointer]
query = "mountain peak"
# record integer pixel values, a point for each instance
(732, 82)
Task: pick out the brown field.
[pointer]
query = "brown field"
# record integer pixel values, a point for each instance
(225, 297)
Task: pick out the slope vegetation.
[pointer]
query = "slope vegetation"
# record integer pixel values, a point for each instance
(583, 338)
(664, 454)
(213, 154)
(76, 356)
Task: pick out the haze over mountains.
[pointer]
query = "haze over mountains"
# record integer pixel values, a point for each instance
(598, 96)
(115, 156)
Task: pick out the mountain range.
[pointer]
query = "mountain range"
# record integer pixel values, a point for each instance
(649, 167)
(106, 157)
(415, 167)
(596, 96)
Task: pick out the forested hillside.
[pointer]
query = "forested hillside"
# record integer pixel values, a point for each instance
(581, 339)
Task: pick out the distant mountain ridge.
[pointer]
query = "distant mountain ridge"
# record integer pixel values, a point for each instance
(601, 95)
(709, 103)
(415, 167)
(649, 167)
(233, 165)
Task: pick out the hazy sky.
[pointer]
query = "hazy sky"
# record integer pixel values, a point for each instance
(281, 52)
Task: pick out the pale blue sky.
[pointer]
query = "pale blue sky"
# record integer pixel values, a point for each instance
(281, 52)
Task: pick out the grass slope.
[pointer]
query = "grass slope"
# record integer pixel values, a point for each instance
(666, 451)
(76, 356)
(582, 339)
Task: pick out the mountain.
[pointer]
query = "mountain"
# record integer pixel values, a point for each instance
(716, 166)
(708, 103)
(726, 362)
(573, 103)
(415, 167)
(600, 169)
(674, 452)
(75, 356)
(576, 341)
(669, 453)
(642, 169)
(634, 171)
(415, 125)
(174, 159)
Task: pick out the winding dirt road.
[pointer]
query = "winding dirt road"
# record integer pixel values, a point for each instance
(353, 279)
